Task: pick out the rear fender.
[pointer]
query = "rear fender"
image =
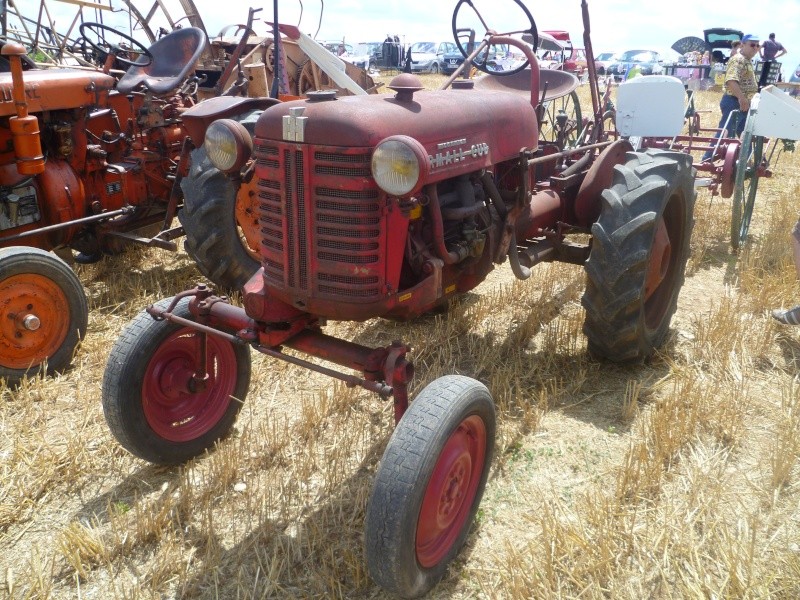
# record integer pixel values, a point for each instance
(197, 118)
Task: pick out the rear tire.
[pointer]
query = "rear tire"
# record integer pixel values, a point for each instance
(44, 313)
(429, 485)
(215, 238)
(639, 251)
(148, 399)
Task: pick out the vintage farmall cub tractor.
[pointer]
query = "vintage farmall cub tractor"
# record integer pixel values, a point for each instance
(90, 164)
(389, 206)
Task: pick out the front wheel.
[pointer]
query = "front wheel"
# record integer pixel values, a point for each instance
(153, 400)
(429, 485)
(640, 245)
(220, 218)
(43, 313)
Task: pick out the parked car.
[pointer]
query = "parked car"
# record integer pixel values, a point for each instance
(497, 54)
(718, 40)
(644, 62)
(375, 52)
(795, 78)
(377, 58)
(428, 57)
(355, 56)
(569, 57)
(451, 61)
(604, 60)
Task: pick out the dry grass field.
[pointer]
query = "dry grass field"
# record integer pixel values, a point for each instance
(678, 478)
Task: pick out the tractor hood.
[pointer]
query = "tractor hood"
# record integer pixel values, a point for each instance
(54, 89)
(457, 128)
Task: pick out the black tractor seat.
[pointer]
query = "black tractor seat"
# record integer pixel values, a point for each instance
(174, 57)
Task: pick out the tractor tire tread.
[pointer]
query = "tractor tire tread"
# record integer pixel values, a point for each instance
(397, 485)
(208, 219)
(621, 247)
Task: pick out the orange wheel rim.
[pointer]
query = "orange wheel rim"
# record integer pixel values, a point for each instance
(247, 220)
(34, 320)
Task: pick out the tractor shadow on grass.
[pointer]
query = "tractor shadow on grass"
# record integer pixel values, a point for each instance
(569, 380)
(317, 554)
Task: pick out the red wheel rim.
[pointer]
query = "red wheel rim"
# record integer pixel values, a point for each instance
(175, 410)
(451, 491)
(663, 266)
(658, 267)
(35, 320)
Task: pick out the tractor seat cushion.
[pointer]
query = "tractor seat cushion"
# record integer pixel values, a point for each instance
(554, 83)
(174, 57)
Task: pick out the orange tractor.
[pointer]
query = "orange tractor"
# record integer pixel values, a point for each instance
(90, 164)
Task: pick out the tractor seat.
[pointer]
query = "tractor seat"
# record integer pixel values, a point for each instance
(555, 83)
(174, 56)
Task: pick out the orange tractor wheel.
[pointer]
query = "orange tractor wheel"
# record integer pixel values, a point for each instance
(43, 313)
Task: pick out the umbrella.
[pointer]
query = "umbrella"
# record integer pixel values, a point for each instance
(690, 43)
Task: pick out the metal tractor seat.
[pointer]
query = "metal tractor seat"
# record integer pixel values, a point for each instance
(555, 83)
(174, 56)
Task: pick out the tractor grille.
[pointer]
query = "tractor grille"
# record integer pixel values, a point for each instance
(322, 222)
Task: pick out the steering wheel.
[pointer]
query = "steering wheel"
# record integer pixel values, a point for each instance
(105, 47)
(489, 59)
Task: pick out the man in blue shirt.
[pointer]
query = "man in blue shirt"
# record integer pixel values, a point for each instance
(770, 50)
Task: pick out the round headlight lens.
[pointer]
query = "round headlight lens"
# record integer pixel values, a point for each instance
(395, 167)
(228, 144)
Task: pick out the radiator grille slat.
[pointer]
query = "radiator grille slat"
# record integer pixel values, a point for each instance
(322, 222)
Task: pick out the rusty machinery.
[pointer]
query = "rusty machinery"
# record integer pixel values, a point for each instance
(389, 206)
(90, 164)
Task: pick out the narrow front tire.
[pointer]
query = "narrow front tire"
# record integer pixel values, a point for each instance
(152, 402)
(429, 485)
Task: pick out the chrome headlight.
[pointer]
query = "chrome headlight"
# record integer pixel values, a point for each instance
(228, 145)
(399, 165)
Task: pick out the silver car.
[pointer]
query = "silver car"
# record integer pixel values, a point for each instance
(428, 57)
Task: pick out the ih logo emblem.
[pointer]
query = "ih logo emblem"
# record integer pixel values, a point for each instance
(294, 125)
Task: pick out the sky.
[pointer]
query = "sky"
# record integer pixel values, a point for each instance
(615, 24)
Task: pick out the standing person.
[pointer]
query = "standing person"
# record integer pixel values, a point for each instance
(740, 87)
(388, 45)
(397, 54)
(735, 45)
(792, 315)
(769, 52)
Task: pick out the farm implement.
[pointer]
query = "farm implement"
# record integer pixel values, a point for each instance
(735, 164)
(94, 163)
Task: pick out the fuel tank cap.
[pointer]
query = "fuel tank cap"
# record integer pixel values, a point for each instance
(321, 95)
(405, 85)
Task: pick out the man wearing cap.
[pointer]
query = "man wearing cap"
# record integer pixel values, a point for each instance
(740, 87)
(740, 84)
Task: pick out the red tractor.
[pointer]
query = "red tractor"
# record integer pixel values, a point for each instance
(91, 164)
(389, 206)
